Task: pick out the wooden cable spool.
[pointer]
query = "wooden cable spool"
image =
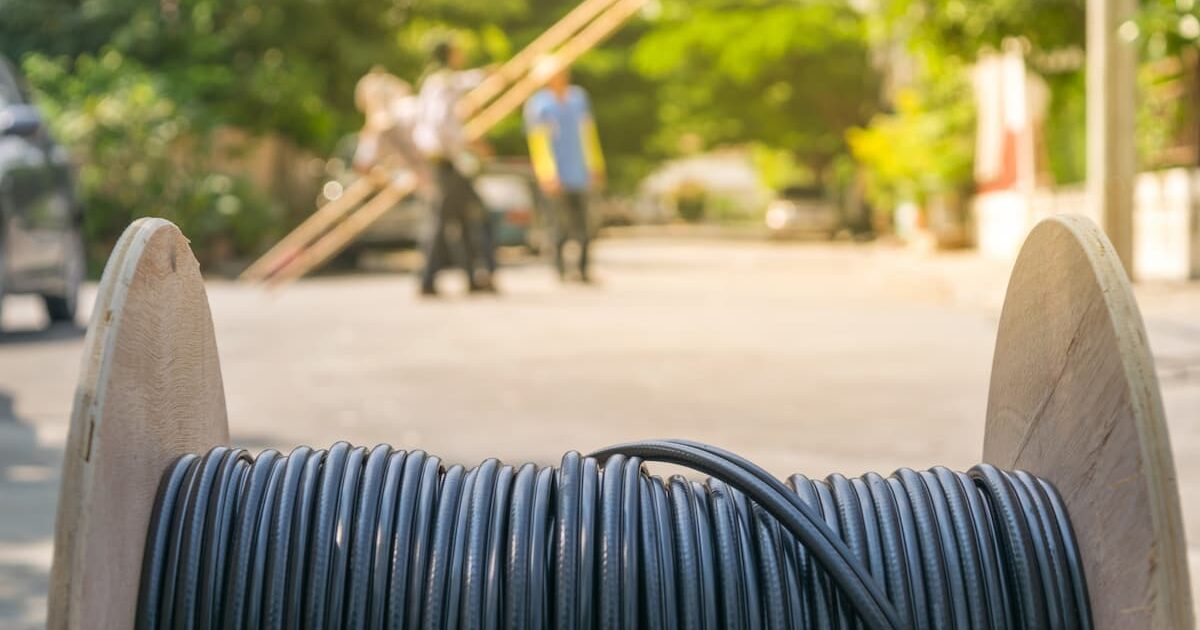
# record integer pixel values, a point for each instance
(1074, 399)
(149, 389)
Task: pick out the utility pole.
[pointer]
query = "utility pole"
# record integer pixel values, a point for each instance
(1111, 101)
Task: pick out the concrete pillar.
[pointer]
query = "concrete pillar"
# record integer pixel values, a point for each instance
(1111, 102)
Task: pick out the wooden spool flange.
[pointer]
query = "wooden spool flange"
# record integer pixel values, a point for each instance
(1073, 399)
(149, 390)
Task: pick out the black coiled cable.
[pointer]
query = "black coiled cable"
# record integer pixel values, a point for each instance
(357, 538)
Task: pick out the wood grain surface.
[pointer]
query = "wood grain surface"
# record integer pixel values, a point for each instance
(1074, 398)
(149, 390)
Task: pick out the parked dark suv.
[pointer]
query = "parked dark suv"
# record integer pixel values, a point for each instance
(41, 241)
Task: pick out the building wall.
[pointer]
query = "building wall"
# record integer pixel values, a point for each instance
(1166, 221)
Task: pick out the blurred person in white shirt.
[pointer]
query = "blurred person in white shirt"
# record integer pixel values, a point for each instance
(440, 137)
(386, 147)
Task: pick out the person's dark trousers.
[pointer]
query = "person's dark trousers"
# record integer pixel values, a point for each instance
(487, 239)
(484, 224)
(571, 223)
(455, 194)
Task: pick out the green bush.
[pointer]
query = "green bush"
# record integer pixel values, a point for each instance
(690, 201)
(138, 156)
(924, 149)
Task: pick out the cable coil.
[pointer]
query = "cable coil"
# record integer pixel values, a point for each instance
(356, 538)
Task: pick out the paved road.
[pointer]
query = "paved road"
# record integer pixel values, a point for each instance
(807, 358)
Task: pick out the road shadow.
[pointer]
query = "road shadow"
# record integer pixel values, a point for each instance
(61, 331)
(29, 478)
(30, 475)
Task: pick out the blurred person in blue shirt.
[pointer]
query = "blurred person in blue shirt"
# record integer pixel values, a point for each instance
(564, 147)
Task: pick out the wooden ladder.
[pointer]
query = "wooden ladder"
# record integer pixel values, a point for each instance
(338, 223)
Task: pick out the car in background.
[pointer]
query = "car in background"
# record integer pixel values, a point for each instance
(803, 211)
(41, 222)
(400, 227)
(510, 192)
(613, 210)
(506, 186)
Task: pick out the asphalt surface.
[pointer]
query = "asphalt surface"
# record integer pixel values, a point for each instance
(806, 358)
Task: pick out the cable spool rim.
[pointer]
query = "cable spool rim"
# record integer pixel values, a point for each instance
(1074, 398)
(149, 390)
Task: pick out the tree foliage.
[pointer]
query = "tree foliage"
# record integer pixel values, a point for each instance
(1053, 34)
(137, 157)
(781, 75)
(922, 149)
(963, 28)
(787, 75)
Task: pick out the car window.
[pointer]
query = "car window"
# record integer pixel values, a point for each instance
(801, 192)
(504, 191)
(10, 94)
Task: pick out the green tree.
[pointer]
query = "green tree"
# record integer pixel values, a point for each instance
(138, 158)
(1053, 34)
(922, 149)
(787, 75)
(963, 28)
(135, 89)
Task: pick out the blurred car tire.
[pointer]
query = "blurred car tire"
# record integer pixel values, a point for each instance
(64, 307)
